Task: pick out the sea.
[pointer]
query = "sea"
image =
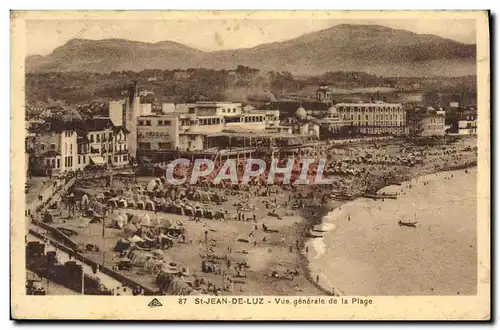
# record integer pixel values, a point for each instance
(365, 252)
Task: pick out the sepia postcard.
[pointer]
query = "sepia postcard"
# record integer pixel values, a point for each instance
(250, 165)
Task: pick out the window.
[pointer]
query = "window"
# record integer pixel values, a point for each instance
(124, 157)
(163, 145)
(91, 138)
(98, 138)
(58, 163)
(148, 122)
(116, 159)
(84, 159)
(145, 146)
(167, 123)
(42, 146)
(110, 136)
(71, 148)
(79, 160)
(160, 122)
(141, 123)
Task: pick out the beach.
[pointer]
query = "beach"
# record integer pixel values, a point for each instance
(366, 252)
(267, 228)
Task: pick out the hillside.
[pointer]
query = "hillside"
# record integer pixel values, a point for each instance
(113, 55)
(370, 48)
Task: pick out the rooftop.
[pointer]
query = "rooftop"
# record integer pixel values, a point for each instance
(368, 104)
(253, 134)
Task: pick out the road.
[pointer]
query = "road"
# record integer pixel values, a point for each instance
(108, 281)
(51, 288)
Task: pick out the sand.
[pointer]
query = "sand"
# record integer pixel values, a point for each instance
(372, 255)
(263, 257)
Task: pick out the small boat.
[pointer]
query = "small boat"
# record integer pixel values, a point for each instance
(408, 224)
(313, 234)
(381, 196)
(318, 229)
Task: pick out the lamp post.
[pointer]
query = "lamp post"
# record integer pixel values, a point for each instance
(102, 242)
(83, 279)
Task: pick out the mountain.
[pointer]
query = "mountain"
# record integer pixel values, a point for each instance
(113, 55)
(370, 48)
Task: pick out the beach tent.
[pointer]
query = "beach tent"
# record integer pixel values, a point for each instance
(130, 229)
(154, 184)
(139, 203)
(97, 207)
(113, 202)
(165, 223)
(139, 258)
(149, 204)
(85, 200)
(119, 221)
(170, 284)
(145, 221)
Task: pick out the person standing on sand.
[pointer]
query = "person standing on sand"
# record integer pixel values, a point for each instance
(317, 278)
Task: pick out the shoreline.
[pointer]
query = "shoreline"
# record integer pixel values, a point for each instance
(324, 211)
(303, 258)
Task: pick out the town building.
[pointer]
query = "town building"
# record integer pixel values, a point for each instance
(99, 133)
(463, 122)
(58, 146)
(207, 127)
(302, 124)
(157, 135)
(374, 118)
(426, 122)
(467, 123)
(125, 113)
(332, 124)
(53, 148)
(120, 146)
(288, 109)
(324, 94)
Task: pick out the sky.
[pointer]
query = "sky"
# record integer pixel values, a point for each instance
(44, 35)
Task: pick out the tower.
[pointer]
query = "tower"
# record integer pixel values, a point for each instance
(132, 109)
